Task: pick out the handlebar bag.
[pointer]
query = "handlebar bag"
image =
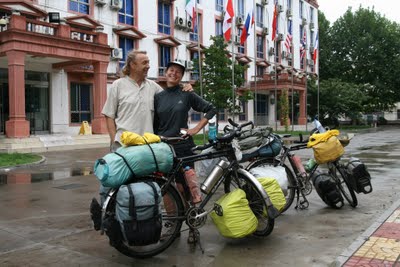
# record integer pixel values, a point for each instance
(138, 212)
(232, 215)
(122, 166)
(328, 151)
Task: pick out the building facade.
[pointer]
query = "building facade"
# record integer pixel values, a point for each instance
(57, 58)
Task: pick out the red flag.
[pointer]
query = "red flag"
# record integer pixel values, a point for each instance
(227, 26)
(315, 55)
(274, 21)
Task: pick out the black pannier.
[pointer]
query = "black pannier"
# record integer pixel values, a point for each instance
(327, 189)
(359, 176)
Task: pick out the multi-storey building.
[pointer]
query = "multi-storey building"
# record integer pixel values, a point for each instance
(57, 58)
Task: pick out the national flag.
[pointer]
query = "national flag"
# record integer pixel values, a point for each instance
(191, 10)
(227, 25)
(303, 44)
(275, 21)
(315, 54)
(248, 23)
(289, 36)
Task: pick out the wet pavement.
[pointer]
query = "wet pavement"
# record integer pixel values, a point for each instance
(45, 220)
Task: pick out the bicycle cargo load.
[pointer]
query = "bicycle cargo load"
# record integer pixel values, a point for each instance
(271, 147)
(232, 215)
(138, 212)
(118, 168)
(326, 146)
(327, 189)
(253, 138)
(278, 173)
(274, 191)
(360, 178)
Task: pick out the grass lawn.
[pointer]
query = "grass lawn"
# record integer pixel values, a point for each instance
(17, 159)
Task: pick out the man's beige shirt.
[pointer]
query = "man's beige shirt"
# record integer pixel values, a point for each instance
(131, 105)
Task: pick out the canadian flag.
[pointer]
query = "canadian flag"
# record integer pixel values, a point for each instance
(227, 26)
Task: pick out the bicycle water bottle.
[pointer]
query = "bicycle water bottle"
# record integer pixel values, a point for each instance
(212, 129)
(213, 177)
(319, 126)
(310, 164)
(191, 180)
(299, 166)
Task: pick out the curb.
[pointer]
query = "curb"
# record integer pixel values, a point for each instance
(348, 252)
(9, 168)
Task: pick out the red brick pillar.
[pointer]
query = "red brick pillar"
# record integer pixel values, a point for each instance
(302, 100)
(17, 125)
(99, 97)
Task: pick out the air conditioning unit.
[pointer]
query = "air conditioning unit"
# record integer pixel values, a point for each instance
(284, 54)
(280, 8)
(179, 23)
(311, 25)
(289, 13)
(189, 25)
(264, 2)
(237, 39)
(116, 4)
(310, 62)
(189, 65)
(311, 49)
(279, 37)
(271, 51)
(239, 20)
(117, 53)
(99, 2)
(265, 31)
(304, 21)
(289, 56)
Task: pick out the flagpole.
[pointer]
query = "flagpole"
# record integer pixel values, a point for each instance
(233, 25)
(255, 62)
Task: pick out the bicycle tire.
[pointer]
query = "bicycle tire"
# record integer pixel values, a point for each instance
(291, 190)
(256, 202)
(171, 226)
(339, 174)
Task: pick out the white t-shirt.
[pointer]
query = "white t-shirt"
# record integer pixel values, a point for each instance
(131, 106)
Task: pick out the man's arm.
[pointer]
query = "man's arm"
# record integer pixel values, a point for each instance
(112, 129)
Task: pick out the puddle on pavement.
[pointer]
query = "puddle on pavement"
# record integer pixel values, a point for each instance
(27, 178)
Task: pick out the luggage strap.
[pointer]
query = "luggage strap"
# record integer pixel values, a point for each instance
(127, 164)
(132, 207)
(152, 152)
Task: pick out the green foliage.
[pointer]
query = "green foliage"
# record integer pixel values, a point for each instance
(337, 99)
(284, 108)
(363, 49)
(217, 76)
(17, 159)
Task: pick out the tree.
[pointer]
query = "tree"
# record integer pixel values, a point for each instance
(217, 76)
(337, 100)
(324, 46)
(284, 108)
(364, 50)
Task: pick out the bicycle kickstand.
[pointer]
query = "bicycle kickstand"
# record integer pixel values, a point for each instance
(302, 201)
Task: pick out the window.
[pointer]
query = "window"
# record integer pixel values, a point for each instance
(289, 4)
(311, 14)
(240, 9)
(218, 28)
(398, 114)
(260, 15)
(127, 44)
(260, 71)
(164, 18)
(301, 9)
(240, 46)
(80, 6)
(242, 115)
(81, 102)
(311, 38)
(165, 58)
(219, 5)
(260, 46)
(125, 14)
(194, 75)
(194, 36)
(221, 114)
(195, 116)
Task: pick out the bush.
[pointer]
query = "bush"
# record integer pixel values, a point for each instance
(382, 121)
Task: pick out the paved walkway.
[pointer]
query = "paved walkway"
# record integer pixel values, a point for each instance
(379, 245)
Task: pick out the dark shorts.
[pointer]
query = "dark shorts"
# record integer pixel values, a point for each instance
(184, 149)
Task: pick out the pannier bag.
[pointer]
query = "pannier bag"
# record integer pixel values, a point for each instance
(118, 168)
(232, 215)
(274, 191)
(360, 178)
(138, 212)
(270, 148)
(327, 189)
(326, 146)
(278, 173)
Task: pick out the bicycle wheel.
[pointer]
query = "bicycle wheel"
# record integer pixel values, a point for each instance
(256, 202)
(172, 218)
(291, 181)
(339, 174)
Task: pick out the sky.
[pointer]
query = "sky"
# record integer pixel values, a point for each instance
(333, 9)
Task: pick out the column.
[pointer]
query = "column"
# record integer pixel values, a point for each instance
(17, 125)
(302, 100)
(99, 97)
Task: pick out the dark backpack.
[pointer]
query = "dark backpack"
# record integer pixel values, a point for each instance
(360, 178)
(327, 189)
(138, 212)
